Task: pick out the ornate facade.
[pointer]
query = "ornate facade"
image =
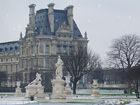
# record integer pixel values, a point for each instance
(50, 33)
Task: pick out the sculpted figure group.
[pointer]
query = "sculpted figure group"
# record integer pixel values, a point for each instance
(37, 80)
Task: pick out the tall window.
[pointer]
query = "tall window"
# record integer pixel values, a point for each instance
(64, 49)
(16, 67)
(70, 49)
(22, 63)
(58, 49)
(47, 48)
(22, 50)
(58, 42)
(37, 62)
(27, 51)
(32, 63)
(64, 42)
(47, 62)
(32, 49)
(1, 68)
(26, 63)
(6, 67)
(25, 77)
(37, 49)
(11, 68)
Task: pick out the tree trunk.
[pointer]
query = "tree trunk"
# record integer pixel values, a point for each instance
(137, 91)
(129, 87)
(74, 86)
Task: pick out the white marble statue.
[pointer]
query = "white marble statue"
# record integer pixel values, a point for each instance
(18, 84)
(37, 81)
(59, 65)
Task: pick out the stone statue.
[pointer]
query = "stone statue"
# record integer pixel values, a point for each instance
(37, 81)
(59, 64)
(18, 84)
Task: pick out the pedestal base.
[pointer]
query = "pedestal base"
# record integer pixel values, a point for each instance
(35, 91)
(18, 92)
(68, 91)
(95, 93)
(58, 89)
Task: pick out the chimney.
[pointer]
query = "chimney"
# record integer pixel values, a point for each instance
(51, 16)
(70, 16)
(32, 16)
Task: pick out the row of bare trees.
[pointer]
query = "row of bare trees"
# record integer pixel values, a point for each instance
(125, 55)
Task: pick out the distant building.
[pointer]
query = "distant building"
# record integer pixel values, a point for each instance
(50, 32)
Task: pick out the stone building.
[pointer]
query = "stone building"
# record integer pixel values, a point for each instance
(50, 33)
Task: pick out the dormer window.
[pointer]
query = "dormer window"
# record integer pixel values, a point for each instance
(12, 59)
(11, 48)
(16, 48)
(6, 49)
(1, 49)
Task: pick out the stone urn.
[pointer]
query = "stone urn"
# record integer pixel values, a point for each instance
(18, 92)
(95, 89)
(68, 91)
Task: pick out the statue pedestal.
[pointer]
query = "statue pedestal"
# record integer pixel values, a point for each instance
(18, 92)
(68, 91)
(95, 90)
(35, 91)
(95, 93)
(58, 89)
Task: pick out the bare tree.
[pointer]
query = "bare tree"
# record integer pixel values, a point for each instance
(80, 62)
(133, 76)
(96, 74)
(125, 53)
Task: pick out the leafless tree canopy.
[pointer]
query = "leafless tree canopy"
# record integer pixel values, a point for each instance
(125, 52)
(80, 62)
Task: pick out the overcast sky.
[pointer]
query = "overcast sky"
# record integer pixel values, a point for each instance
(103, 20)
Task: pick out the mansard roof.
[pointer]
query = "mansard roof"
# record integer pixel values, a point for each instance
(60, 16)
(7, 47)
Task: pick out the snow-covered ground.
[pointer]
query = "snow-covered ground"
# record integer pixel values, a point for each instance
(107, 97)
(10, 101)
(102, 91)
